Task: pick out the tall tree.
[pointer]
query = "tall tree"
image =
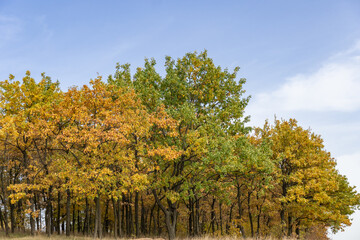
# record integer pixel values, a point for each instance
(309, 186)
(200, 96)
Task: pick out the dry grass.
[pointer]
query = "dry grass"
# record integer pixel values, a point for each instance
(24, 236)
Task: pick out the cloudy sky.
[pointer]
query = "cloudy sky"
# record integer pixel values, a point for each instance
(301, 58)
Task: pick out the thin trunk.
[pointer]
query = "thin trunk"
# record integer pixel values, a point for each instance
(258, 224)
(4, 201)
(191, 217)
(259, 208)
(123, 219)
(32, 220)
(78, 221)
(48, 212)
(120, 217)
(220, 216)
(158, 227)
(52, 223)
(230, 219)
(5, 218)
(12, 217)
(127, 225)
(58, 212)
(137, 227)
(96, 226)
(1, 220)
(62, 224)
(297, 230)
(37, 208)
(143, 217)
(89, 227)
(151, 219)
(73, 218)
(212, 222)
(282, 211)
(99, 217)
(68, 217)
(115, 217)
(290, 225)
(197, 217)
(131, 226)
(106, 218)
(240, 210)
(250, 214)
(86, 220)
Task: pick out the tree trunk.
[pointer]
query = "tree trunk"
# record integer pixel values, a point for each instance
(89, 222)
(221, 220)
(152, 218)
(12, 217)
(52, 223)
(73, 218)
(106, 218)
(32, 220)
(1, 220)
(212, 221)
(191, 217)
(170, 219)
(143, 217)
(170, 215)
(58, 212)
(130, 218)
(37, 208)
(137, 227)
(86, 220)
(120, 212)
(230, 219)
(127, 226)
(68, 217)
(98, 228)
(123, 219)
(115, 218)
(258, 224)
(158, 227)
(282, 211)
(197, 217)
(4, 201)
(63, 223)
(5, 218)
(297, 231)
(250, 214)
(78, 221)
(290, 224)
(240, 210)
(47, 213)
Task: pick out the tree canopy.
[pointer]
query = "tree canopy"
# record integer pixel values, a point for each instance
(139, 154)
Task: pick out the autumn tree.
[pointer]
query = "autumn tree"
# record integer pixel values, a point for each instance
(309, 186)
(26, 129)
(138, 154)
(201, 97)
(101, 162)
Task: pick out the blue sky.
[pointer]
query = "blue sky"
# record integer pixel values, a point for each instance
(301, 58)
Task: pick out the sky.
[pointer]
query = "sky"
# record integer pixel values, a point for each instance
(301, 59)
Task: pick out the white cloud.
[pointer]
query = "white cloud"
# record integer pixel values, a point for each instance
(9, 28)
(333, 87)
(328, 101)
(348, 165)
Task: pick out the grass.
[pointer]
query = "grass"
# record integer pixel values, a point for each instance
(25, 236)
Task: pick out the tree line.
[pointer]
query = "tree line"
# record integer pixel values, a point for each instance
(148, 155)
